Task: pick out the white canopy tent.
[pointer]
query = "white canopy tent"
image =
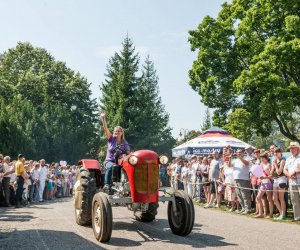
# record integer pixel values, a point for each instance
(213, 139)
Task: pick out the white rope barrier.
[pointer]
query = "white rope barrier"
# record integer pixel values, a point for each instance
(233, 186)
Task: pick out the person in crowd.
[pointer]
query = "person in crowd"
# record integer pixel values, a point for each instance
(42, 179)
(178, 171)
(241, 178)
(169, 172)
(56, 168)
(214, 176)
(255, 181)
(114, 140)
(249, 154)
(197, 187)
(280, 183)
(28, 182)
(173, 173)
(227, 179)
(184, 176)
(7, 171)
(292, 171)
(192, 175)
(204, 167)
(1, 173)
(272, 152)
(162, 175)
(50, 187)
(266, 187)
(27, 185)
(34, 192)
(21, 177)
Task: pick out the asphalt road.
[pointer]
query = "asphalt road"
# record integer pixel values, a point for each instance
(51, 225)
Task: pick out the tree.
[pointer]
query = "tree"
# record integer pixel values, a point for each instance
(153, 118)
(207, 121)
(189, 136)
(133, 101)
(248, 64)
(37, 95)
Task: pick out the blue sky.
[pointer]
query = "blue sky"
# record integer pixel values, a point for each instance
(85, 34)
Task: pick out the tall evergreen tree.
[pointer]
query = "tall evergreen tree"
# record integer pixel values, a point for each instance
(156, 131)
(133, 101)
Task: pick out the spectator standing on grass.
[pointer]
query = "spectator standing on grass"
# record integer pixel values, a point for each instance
(241, 178)
(280, 183)
(204, 174)
(174, 173)
(292, 171)
(193, 174)
(184, 176)
(178, 175)
(266, 187)
(227, 179)
(213, 177)
(191, 178)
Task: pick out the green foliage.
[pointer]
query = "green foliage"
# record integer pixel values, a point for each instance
(133, 102)
(248, 65)
(207, 121)
(37, 94)
(236, 124)
(189, 136)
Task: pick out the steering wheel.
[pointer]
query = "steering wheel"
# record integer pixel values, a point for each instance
(121, 147)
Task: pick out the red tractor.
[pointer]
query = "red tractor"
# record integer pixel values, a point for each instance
(135, 185)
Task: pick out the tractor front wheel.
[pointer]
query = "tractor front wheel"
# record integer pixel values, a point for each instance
(102, 217)
(182, 221)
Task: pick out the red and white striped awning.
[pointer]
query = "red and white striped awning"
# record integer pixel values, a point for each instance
(214, 139)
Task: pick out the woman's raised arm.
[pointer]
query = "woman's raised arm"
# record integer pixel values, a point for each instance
(106, 130)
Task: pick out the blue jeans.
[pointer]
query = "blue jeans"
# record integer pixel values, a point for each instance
(108, 165)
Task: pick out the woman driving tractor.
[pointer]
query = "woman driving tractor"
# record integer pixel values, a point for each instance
(115, 141)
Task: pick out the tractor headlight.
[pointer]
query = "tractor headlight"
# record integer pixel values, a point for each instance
(163, 159)
(133, 160)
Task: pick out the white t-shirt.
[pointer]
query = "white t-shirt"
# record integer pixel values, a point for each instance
(228, 173)
(43, 173)
(240, 170)
(291, 164)
(13, 177)
(35, 174)
(7, 168)
(184, 173)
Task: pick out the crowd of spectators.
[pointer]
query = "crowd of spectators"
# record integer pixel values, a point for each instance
(253, 181)
(23, 182)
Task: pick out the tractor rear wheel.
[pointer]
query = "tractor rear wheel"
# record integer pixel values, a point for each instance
(149, 215)
(181, 222)
(84, 190)
(102, 217)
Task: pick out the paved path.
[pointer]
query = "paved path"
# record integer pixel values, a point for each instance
(51, 225)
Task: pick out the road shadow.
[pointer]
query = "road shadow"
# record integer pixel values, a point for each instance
(10, 214)
(44, 239)
(159, 231)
